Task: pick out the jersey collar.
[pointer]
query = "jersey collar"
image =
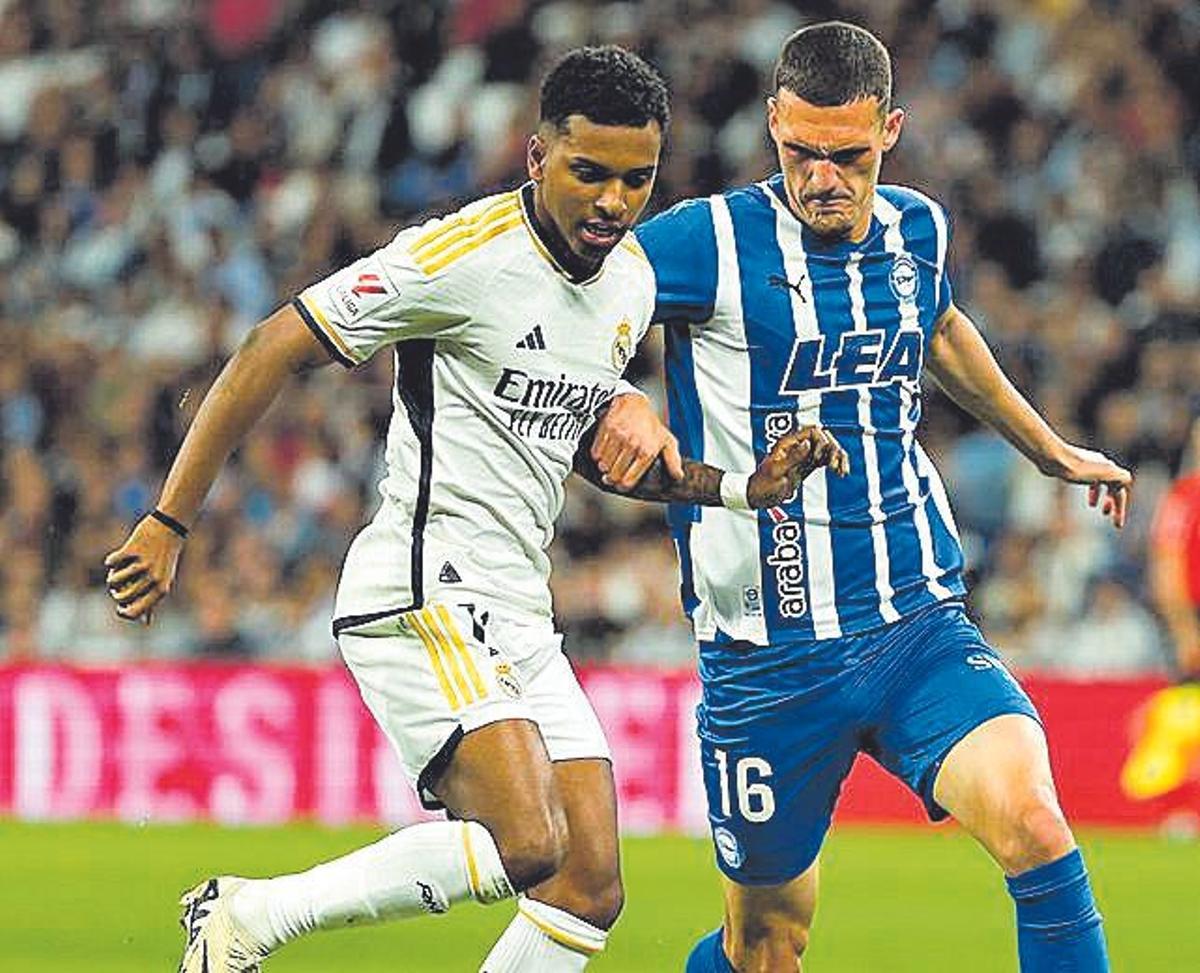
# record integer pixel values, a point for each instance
(549, 246)
(777, 193)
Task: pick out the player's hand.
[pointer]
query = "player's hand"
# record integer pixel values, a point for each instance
(1110, 486)
(629, 438)
(142, 570)
(790, 460)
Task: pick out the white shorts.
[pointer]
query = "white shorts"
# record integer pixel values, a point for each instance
(434, 674)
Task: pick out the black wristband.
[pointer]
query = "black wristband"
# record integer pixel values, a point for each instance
(169, 522)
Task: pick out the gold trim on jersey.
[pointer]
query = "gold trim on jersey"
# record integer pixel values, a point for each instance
(319, 316)
(630, 243)
(457, 237)
(437, 239)
(560, 937)
(435, 660)
(482, 236)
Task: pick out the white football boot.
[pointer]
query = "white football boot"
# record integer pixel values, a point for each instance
(215, 942)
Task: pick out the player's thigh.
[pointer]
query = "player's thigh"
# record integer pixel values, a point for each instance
(563, 759)
(997, 783)
(945, 681)
(458, 730)
(772, 780)
(501, 775)
(767, 926)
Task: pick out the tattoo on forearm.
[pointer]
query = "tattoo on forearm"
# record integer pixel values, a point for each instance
(701, 484)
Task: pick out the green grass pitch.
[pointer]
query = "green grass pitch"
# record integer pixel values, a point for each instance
(101, 898)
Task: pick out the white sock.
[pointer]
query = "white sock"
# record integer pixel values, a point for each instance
(543, 939)
(417, 870)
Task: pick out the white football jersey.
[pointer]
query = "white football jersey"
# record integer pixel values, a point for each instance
(502, 360)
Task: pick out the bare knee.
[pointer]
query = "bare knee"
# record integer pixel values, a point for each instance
(595, 898)
(533, 849)
(767, 943)
(604, 899)
(588, 886)
(1036, 834)
(598, 899)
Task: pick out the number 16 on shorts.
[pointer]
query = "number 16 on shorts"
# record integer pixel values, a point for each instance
(748, 781)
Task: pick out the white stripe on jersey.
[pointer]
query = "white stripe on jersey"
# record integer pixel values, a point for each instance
(818, 545)
(943, 240)
(883, 582)
(893, 240)
(726, 537)
(938, 489)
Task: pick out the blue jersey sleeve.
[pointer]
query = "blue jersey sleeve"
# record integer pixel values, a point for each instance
(682, 248)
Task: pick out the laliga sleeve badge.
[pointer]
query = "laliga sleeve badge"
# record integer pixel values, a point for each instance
(622, 349)
(360, 288)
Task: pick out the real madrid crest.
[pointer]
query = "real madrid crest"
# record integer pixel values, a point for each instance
(622, 349)
(508, 679)
(904, 278)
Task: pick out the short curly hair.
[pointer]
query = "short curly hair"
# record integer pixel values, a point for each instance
(835, 63)
(607, 85)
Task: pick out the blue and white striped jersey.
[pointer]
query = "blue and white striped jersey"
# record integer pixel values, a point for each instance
(767, 328)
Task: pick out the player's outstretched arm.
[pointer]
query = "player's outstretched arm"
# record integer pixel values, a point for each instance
(963, 365)
(142, 570)
(791, 459)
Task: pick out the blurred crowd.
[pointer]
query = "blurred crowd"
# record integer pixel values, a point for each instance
(172, 170)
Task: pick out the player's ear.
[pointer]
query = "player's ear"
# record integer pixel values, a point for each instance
(773, 117)
(535, 157)
(891, 128)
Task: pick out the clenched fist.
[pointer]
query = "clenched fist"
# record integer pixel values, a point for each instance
(790, 460)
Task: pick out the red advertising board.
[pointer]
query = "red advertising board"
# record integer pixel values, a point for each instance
(253, 744)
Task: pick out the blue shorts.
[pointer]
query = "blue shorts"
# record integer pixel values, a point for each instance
(780, 726)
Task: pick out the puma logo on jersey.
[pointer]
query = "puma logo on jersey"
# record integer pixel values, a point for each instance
(534, 341)
(778, 280)
(863, 358)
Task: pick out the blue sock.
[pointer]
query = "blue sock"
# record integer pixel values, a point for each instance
(1058, 927)
(708, 955)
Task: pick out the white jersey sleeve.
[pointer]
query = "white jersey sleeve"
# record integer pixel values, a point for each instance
(389, 296)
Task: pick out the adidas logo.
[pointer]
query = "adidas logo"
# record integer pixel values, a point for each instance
(448, 575)
(533, 341)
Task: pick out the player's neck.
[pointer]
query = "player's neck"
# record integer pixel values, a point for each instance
(543, 226)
